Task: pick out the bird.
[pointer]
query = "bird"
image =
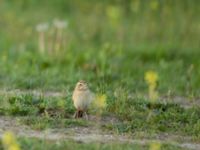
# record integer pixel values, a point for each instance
(82, 98)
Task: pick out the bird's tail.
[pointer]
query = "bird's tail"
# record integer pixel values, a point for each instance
(79, 114)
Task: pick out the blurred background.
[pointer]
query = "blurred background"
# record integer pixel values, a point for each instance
(51, 44)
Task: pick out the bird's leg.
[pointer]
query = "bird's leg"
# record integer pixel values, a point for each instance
(75, 114)
(85, 114)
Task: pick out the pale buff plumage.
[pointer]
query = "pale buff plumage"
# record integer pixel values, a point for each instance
(82, 97)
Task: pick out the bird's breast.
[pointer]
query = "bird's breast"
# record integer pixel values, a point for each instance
(81, 99)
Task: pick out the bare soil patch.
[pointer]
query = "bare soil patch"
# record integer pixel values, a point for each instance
(90, 134)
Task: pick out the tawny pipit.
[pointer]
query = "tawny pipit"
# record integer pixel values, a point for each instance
(82, 97)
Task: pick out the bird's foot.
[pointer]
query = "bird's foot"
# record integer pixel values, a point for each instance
(75, 115)
(85, 116)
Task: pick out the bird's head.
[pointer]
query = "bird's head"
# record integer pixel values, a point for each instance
(82, 85)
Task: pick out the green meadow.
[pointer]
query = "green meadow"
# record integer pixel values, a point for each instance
(47, 46)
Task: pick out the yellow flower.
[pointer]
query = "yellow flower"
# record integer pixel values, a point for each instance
(151, 77)
(100, 101)
(14, 147)
(8, 138)
(155, 146)
(9, 141)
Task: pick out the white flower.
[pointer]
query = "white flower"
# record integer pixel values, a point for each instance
(60, 23)
(42, 27)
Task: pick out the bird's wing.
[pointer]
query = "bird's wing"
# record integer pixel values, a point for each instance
(73, 96)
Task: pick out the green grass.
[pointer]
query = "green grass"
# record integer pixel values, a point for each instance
(35, 144)
(134, 114)
(140, 115)
(40, 123)
(110, 69)
(108, 55)
(110, 44)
